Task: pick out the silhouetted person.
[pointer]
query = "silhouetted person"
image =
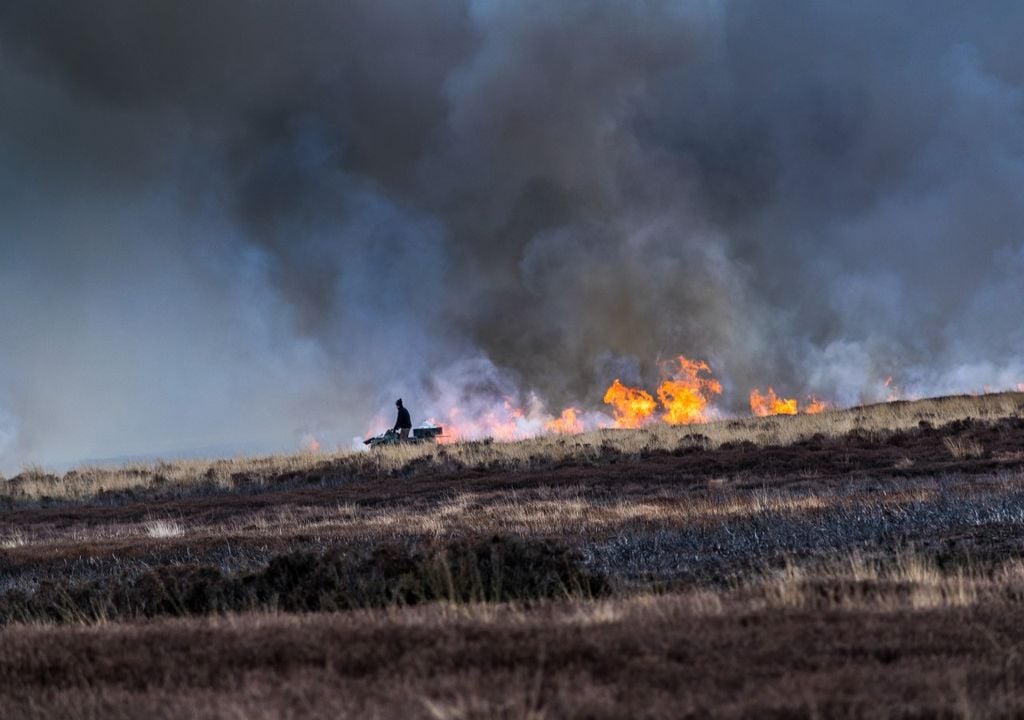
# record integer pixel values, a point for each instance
(404, 423)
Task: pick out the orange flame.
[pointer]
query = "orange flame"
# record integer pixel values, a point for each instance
(632, 407)
(455, 427)
(504, 421)
(568, 422)
(685, 396)
(815, 405)
(770, 404)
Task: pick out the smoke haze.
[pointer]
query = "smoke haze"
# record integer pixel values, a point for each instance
(235, 225)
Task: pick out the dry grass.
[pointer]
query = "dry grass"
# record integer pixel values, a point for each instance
(570, 511)
(962, 448)
(163, 529)
(13, 539)
(909, 581)
(549, 512)
(204, 475)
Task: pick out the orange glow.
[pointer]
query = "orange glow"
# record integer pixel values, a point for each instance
(454, 428)
(632, 407)
(815, 405)
(499, 422)
(685, 396)
(503, 424)
(568, 422)
(770, 404)
(449, 433)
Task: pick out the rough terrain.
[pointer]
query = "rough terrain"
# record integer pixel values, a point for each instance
(853, 571)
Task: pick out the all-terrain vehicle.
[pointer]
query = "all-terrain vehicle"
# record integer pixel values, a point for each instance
(424, 434)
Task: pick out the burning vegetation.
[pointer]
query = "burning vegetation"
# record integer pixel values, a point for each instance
(771, 404)
(815, 405)
(632, 407)
(568, 422)
(686, 395)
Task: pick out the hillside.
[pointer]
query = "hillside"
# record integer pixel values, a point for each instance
(834, 565)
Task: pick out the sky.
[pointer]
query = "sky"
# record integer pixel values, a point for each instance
(234, 227)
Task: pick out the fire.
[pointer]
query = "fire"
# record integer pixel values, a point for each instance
(632, 407)
(685, 396)
(770, 404)
(504, 421)
(815, 405)
(455, 428)
(568, 422)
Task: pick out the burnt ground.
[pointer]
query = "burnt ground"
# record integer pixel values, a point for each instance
(682, 521)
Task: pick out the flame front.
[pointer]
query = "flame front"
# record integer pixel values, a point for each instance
(501, 422)
(771, 404)
(568, 422)
(685, 396)
(632, 407)
(815, 405)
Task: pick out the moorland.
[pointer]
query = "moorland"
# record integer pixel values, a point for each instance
(866, 562)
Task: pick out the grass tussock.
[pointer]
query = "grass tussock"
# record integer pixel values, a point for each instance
(13, 539)
(163, 529)
(962, 448)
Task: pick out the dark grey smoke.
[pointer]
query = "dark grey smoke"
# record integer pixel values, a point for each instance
(232, 224)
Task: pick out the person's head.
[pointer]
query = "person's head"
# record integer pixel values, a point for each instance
(398, 402)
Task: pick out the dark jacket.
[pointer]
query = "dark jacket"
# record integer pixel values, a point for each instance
(404, 421)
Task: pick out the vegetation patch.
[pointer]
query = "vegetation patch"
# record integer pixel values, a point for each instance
(499, 569)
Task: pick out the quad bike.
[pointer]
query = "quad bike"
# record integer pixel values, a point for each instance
(425, 434)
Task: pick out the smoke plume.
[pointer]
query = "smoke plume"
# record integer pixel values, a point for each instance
(234, 225)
